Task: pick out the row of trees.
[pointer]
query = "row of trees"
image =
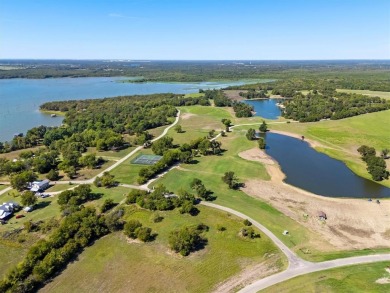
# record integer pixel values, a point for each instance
(314, 106)
(376, 166)
(48, 257)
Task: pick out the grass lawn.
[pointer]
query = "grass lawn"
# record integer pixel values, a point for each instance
(343, 137)
(2, 187)
(59, 187)
(384, 95)
(13, 249)
(15, 154)
(113, 264)
(128, 172)
(111, 155)
(359, 278)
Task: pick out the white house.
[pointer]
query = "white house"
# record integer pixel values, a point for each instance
(39, 185)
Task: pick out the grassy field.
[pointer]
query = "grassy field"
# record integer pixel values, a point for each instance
(113, 264)
(111, 155)
(359, 278)
(15, 154)
(13, 249)
(384, 95)
(58, 187)
(128, 172)
(343, 137)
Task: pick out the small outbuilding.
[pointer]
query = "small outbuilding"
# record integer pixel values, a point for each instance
(321, 215)
(285, 232)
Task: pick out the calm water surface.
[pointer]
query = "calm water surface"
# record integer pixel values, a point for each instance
(265, 108)
(20, 98)
(318, 173)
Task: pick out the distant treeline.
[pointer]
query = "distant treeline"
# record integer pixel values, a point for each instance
(347, 74)
(290, 85)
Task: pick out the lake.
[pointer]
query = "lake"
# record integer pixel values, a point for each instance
(318, 173)
(266, 108)
(20, 98)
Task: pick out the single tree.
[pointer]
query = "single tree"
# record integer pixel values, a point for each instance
(227, 123)
(178, 128)
(28, 198)
(263, 127)
(230, 179)
(385, 153)
(261, 143)
(251, 134)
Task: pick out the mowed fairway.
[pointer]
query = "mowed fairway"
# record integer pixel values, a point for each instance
(341, 138)
(360, 278)
(113, 264)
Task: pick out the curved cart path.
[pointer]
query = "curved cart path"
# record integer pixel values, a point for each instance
(297, 266)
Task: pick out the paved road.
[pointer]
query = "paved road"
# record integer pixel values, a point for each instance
(311, 268)
(297, 266)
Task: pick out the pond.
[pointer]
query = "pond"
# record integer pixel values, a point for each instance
(20, 98)
(266, 108)
(318, 173)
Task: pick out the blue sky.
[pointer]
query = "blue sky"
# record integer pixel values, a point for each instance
(206, 30)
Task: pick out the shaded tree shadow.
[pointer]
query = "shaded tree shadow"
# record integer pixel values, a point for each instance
(41, 205)
(201, 244)
(194, 212)
(95, 196)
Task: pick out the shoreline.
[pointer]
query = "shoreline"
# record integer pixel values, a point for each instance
(353, 223)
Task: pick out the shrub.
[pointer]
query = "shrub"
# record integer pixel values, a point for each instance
(247, 222)
(131, 227)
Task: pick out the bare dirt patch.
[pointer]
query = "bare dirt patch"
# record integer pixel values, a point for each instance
(186, 116)
(258, 155)
(383, 281)
(235, 94)
(351, 224)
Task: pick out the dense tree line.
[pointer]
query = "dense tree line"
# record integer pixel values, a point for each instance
(102, 122)
(160, 199)
(289, 84)
(376, 166)
(314, 106)
(48, 257)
